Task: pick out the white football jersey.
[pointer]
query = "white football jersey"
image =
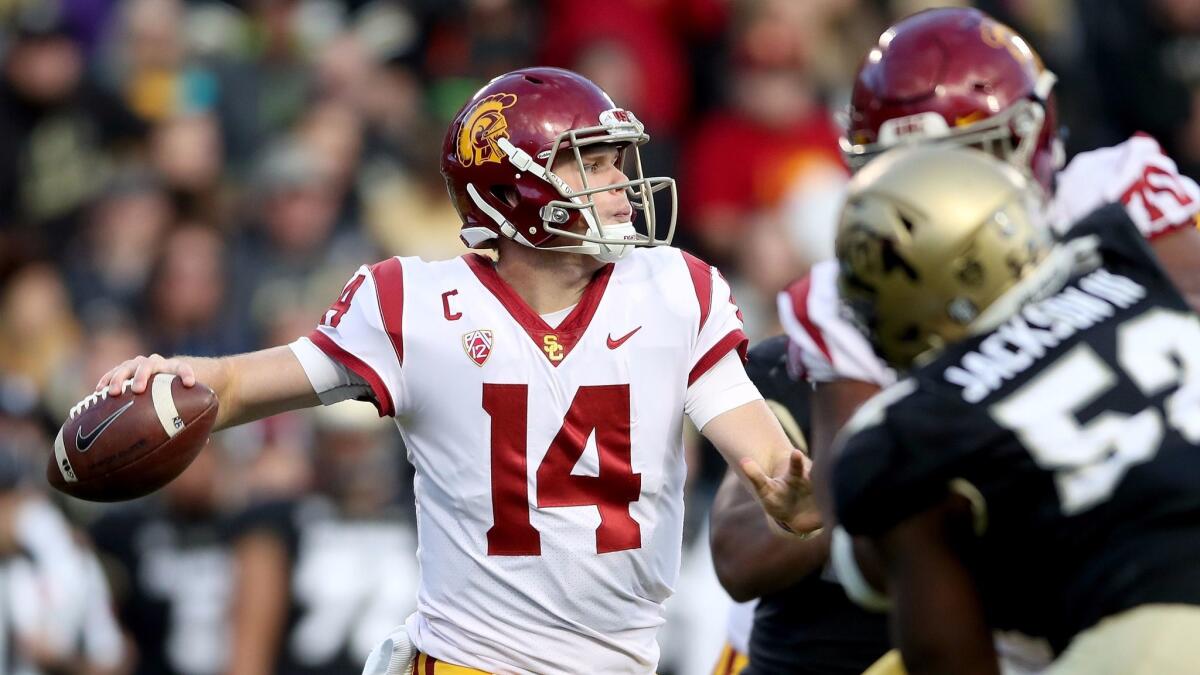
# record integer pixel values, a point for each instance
(549, 460)
(826, 346)
(1135, 173)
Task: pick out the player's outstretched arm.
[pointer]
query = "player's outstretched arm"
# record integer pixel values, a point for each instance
(750, 438)
(249, 386)
(750, 558)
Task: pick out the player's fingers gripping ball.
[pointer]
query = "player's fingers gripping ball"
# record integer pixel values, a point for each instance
(124, 446)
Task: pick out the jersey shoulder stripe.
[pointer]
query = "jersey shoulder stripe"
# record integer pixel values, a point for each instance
(702, 283)
(798, 293)
(389, 293)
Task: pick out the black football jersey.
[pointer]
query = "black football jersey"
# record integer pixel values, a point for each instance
(350, 581)
(811, 626)
(1076, 424)
(173, 579)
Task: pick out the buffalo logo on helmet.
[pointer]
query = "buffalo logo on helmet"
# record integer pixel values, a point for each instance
(478, 345)
(482, 129)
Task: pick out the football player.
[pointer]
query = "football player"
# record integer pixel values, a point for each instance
(954, 75)
(171, 565)
(1038, 466)
(541, 395)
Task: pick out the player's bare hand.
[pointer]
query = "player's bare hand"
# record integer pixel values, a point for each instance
(140, 369)
(787, 498)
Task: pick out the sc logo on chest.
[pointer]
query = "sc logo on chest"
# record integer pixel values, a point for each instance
(550, 345)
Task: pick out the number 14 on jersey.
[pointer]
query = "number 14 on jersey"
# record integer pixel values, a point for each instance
(599, 409)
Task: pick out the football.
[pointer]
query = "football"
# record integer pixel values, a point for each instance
(113, 448)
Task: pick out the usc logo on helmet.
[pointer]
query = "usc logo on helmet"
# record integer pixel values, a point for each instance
(1000, 36)
(482, 129)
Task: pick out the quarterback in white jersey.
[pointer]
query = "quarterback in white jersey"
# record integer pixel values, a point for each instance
(540, 394)
(548, 451)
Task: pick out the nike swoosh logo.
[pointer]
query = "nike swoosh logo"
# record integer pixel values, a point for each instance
(84, 441)
(613, 344)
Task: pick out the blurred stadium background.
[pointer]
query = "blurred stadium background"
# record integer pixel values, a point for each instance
(201, 177)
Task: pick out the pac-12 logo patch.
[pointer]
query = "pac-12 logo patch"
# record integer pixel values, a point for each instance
(478, 345)
(482, 129)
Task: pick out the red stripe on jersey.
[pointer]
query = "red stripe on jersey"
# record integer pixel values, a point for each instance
(702, 281)
(383, 398)
(736, 339)
(389, 294)
(798, 292)
(430, 665)
(568, 333)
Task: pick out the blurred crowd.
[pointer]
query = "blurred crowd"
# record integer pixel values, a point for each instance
(201, 177)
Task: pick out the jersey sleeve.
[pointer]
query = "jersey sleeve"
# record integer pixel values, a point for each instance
(825, 346)
(363, 332)
(332, 381)
(1135, 174)
(722, 388)
(720, 328)
(899, 454)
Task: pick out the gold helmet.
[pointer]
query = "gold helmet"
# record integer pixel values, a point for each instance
(930, 238)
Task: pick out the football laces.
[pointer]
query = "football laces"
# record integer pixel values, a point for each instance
(94, 398)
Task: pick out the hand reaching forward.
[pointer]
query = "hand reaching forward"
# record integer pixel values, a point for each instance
(787, 498)
(140, 369)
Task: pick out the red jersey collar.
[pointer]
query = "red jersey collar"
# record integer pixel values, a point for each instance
(555, 343)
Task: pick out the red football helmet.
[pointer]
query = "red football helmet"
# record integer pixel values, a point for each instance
(961, 76)
(498, 155)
